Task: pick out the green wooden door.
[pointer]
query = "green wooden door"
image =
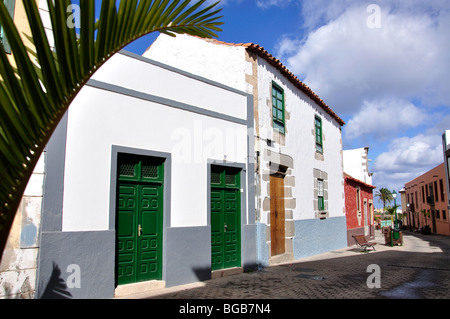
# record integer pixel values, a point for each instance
(225, 218)
(139, 219)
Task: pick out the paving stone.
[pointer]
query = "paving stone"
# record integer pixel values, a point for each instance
(418, 269)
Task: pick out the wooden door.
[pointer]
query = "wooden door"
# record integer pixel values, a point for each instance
(277, 215)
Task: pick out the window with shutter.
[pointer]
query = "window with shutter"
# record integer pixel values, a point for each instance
(278, 108)
(319, 140)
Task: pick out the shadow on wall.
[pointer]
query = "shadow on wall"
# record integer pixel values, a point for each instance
(56, 287)
(202, 273)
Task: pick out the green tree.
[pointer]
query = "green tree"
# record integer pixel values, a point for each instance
(391, 210)
(34, 99)
(385, 196)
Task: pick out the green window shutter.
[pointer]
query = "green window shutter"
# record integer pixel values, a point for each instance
(278, 108)
(320, 194)
(319, 140)
(10, 5)
(321, 203)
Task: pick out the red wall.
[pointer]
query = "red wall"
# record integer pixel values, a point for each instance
(350, 188)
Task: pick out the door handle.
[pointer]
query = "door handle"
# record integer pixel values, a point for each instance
(139, 230)
(225, 228)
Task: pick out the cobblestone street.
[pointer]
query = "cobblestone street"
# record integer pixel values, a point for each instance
(419, 269)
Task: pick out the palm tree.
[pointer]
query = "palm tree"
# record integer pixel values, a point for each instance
(385, 196)
(34, 99)
(391, 210)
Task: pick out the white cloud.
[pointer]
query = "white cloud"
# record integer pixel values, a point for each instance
(347, 63)
(287, 46)
(405, 153)
(262, 4)
(269, 3)
(383, 118)
(440, 123)
(406, 159)
(320, 12)
(222, 2)
(385, 81)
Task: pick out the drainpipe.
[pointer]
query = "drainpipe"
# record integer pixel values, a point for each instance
(258, 213)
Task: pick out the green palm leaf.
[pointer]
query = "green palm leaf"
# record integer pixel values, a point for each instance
(33, 100)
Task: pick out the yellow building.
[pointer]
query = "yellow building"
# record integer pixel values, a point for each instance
(19, 261)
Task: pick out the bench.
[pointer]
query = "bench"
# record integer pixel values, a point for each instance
(362, 242)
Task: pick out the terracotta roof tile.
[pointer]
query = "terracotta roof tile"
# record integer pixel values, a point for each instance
(255, 48)
(349, 177)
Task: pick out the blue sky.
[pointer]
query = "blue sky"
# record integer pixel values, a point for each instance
(383, 66)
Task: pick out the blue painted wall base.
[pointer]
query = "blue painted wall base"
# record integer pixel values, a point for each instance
(312, 237)
(262, 247)
(317, 236)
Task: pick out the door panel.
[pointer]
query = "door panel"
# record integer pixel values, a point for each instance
(225, 219)
(216, 229)
(231, 231)
(277, 215)
(139, 223)
(366, 218)
(126, 232)
(150, 233)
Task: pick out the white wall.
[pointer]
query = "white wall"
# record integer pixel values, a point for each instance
(151, 79)
(99, 119)
(356, 164)
(300, 143)
(45, 16)
(447, 139)
(218, 62)
(446, 148)
(227, 64)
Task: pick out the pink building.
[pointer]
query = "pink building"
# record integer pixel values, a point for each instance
(426, 199)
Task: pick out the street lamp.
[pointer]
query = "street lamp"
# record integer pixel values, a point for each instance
(394, 194)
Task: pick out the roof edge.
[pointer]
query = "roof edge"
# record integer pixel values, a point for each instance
(263, 53)
(349, 177)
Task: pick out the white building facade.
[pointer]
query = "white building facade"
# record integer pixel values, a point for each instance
(146, 184)
(299, 202)
(356, 164)
(446, 148)
(197, 158)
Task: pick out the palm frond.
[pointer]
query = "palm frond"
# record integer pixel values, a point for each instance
(33, 100)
